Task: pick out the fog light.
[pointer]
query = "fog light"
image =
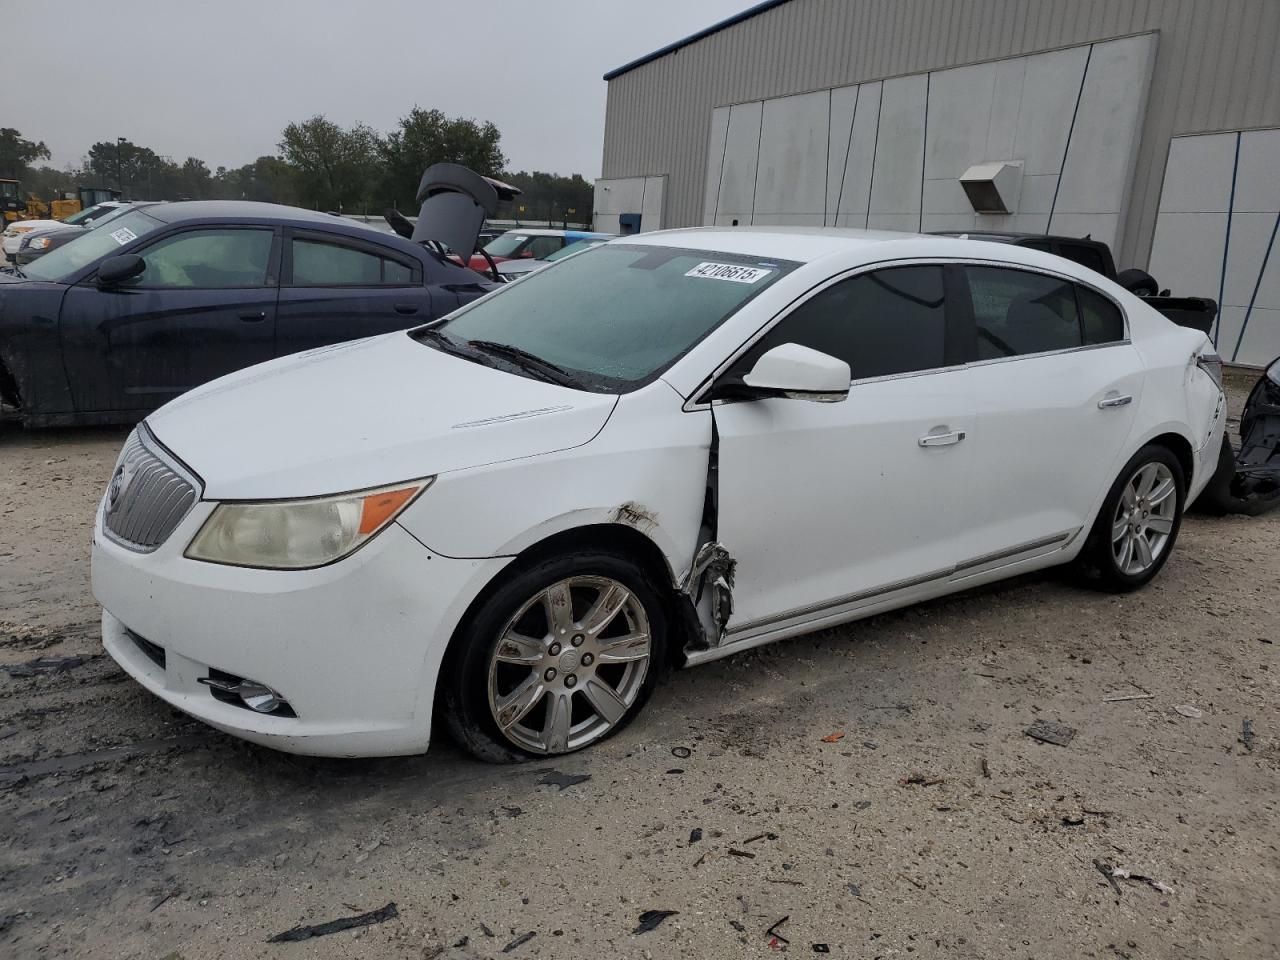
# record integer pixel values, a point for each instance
(258, 697)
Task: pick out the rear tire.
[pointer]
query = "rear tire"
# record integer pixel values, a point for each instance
(1138, 524)
(1138, 282)
(561, 656)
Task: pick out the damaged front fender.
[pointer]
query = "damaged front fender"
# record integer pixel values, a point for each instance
(708, 586)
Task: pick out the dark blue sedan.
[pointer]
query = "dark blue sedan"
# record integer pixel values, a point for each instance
(123, 319)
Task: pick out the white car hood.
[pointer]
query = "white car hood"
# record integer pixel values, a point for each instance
(366, 414)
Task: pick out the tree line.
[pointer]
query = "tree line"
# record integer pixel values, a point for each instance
(318, 164)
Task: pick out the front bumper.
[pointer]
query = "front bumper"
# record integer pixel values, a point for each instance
(355, 647)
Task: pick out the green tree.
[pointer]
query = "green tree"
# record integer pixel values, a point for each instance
(130, 168)
(549, 196)
(335, 169)
(425, 137)
(17, 153)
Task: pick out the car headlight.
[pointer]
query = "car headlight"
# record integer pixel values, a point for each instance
(37, 243)
(299, 534)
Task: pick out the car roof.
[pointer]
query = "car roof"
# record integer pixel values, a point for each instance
(801, 244)
(244, 210)
(252, 211)
(809, 244)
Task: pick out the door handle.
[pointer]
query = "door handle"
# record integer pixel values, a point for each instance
(942, 439)
(1110, 402)
(406, 308)
(254, 317)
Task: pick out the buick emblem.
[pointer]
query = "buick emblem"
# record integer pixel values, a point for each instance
(119, 481)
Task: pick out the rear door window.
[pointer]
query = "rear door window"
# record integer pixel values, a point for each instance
(1017, 313)
(880, 323)
(542, 247)
(317, 263)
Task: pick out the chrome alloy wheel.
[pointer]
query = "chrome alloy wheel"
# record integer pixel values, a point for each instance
(569, 665)
(1144, 519)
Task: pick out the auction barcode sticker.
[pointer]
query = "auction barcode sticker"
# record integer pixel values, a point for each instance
(123, 235)
(728, 271)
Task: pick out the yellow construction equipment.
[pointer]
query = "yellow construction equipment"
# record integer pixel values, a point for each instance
(14, 206)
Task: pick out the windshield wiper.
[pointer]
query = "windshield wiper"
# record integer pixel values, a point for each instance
(16, 270)
(447, 344)
(530, 362)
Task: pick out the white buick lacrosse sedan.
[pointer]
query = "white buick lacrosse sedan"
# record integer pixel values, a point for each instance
(665, 450)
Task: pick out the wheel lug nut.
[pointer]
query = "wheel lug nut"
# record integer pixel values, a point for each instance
(571, 681)
(555, 649)
(587, 659)
(550, 674)
(577, 639)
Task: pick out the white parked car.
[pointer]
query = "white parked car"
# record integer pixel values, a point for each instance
(659, 452)
(20, 230)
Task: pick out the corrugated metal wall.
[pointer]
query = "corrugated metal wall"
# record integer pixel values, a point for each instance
(1216, 69)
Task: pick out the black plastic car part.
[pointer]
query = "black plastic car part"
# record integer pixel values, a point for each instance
(1248, 481)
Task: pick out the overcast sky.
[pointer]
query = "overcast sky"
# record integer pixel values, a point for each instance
(219, 79)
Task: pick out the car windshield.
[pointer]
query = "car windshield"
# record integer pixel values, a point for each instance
(88, 213)
(506, 245)
(571, 249)
(61, 263)
(615, 317)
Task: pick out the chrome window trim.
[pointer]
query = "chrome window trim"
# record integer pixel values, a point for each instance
(693, 404)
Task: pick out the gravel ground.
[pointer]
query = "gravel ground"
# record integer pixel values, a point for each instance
(933, 827)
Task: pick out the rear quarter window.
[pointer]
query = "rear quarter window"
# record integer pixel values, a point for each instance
(1101, 320)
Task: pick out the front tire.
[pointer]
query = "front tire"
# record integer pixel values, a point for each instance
(1138, 524)
(562, 655)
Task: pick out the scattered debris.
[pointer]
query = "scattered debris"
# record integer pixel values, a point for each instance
(920, 885)
(738, 925)
(773, 930)
(681, 753)
(1124, 874)
(162, 900)
(986, 770)
(675, 771)
(834, 737)
(520, 941)
(651, 920)
(336, 926)
(1073, 821)
(821, 948)
(695, 834)
(760, 836)
(1106, 872)
(554, 778)
(484, 928)
(1046, 731)
(1187, 710)
(735, 852)
(513, 812)
(919, 779)
(871, 744)
(44, 666)
(792, 883)
(854, 889)
(1130, 696)
(1246, 734)
(698, 862)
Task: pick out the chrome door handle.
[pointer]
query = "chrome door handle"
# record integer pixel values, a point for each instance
(1114, 402)
(942, 439)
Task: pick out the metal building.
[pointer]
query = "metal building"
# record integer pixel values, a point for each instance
(1151, 124)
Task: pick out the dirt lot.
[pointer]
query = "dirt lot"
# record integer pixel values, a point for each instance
(934, 827)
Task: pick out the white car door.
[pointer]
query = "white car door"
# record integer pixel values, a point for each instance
(830, 506)
(1056, 384)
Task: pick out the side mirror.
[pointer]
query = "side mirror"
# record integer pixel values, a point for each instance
(796, 372)
(115, 270)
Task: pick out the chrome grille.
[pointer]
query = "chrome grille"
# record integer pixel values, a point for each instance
(148, 496)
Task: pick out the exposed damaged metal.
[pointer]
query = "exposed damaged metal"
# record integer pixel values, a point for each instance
(635, 515)
(708, 586)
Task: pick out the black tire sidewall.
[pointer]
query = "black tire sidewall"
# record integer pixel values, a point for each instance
(465, 686)
(1098, 552)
